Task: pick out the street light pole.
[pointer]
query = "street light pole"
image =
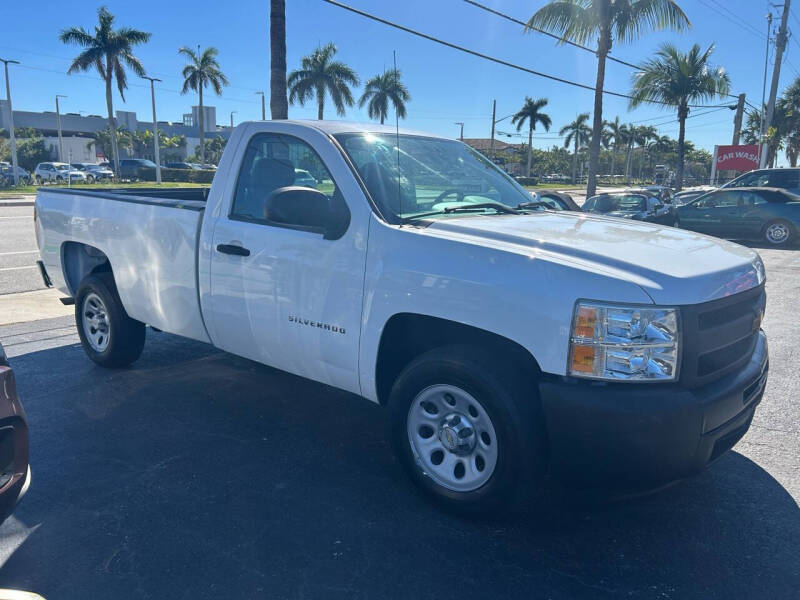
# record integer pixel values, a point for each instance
(462, 129)
(156, 143)
(233, 112)
(58, 124)
(11, 121)
(263, 106)
(761, 131)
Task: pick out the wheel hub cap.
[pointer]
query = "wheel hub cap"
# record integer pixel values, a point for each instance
(95, 322)
(452, 438)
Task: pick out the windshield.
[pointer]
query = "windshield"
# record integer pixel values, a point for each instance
(621, 203)
(428, 175)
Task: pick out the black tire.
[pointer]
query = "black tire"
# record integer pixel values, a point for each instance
(125, 336)
(770, 229)
(38, 180)
(512, 404)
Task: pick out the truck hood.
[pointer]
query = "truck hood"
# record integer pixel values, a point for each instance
(672, 266)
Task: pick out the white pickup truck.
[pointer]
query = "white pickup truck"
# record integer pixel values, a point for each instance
(510, 343)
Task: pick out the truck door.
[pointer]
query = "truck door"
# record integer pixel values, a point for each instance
(281, 293)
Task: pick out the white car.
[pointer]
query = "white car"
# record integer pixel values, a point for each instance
(55, 172)
(506, 342)
(94, 172)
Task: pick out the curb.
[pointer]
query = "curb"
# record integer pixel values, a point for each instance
(16, 202)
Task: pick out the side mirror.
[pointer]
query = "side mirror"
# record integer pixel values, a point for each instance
(308, 209)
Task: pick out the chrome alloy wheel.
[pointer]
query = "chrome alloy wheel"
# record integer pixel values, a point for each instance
(452, 438)
(777, 233)
(95, 322)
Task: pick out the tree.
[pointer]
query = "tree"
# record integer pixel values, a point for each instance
(278, 105)
(103, 141)
(584, 21)
(675, 78)
(578, 134)
(379, 90)
(531, 112)
(320, 74)
(615, 132)
(202, 71)
(108, 51)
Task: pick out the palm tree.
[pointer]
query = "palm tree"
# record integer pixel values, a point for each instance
(379, 90)
(615, 134)
(109, 50)
(578, 134)
(530, 112)
(584, 21)
(675, 78)
(203, 70)
(318, 74)
(278, 105)
(647, 133)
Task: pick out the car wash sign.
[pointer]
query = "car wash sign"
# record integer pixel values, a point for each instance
(736, 158)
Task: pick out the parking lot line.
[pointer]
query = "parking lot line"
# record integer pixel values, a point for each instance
(18, 252)
(18, 268)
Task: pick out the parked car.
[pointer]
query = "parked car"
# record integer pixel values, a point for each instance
(785, 179)
(94, 172)
(770, 215)
(555, 200)
(134, 168)
(639, 206)
(181, 165)
(14, 471)
(507, 345)
(7, 175)
(304, 178)
(55, 172)
(686, 196)
(662, 192)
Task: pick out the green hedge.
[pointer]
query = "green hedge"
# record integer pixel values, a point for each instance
(527, 180)
(177, 175)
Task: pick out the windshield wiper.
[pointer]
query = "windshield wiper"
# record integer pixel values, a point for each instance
(501, 208)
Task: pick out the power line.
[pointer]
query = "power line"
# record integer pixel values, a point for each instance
(492, 58)
(726, 13)
(547, 33)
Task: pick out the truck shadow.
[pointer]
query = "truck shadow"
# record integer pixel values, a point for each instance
(197, 474)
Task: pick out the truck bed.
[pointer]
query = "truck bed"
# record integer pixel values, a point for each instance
(150, 238)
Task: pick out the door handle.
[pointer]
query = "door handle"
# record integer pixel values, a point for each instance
(232, 249)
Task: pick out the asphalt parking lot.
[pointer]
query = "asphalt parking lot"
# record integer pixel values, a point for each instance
(197, 474)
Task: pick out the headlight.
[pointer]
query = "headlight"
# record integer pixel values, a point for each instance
(629, 343)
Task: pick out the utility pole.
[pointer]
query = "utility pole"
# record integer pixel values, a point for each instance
(156, 143)
(58, 124)
(11, 121)
(762, 129)
(737, 120)
(263, 106)
(233, 112)
(462, 129)
(780, 46)
(494, 114)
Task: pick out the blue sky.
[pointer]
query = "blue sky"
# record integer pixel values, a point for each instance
(446, 85)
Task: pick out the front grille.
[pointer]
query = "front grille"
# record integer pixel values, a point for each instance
(720, 336)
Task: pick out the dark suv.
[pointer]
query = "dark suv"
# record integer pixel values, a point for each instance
(134, 168)
(784, 179)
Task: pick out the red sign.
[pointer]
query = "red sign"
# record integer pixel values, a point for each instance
(737, 158)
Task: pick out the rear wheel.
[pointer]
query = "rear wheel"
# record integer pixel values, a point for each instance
(779, 233)
(467, 429)
(108, 335)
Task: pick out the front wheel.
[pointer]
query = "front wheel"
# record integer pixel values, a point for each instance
(108, 335)
(467, 430)
(779, 233)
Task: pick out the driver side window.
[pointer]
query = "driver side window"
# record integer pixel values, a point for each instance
(273, 161)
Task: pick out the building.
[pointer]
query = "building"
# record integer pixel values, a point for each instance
(483, 145)
(82, 127)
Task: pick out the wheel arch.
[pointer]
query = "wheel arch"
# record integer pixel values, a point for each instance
(407, 335)
(79, 260)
